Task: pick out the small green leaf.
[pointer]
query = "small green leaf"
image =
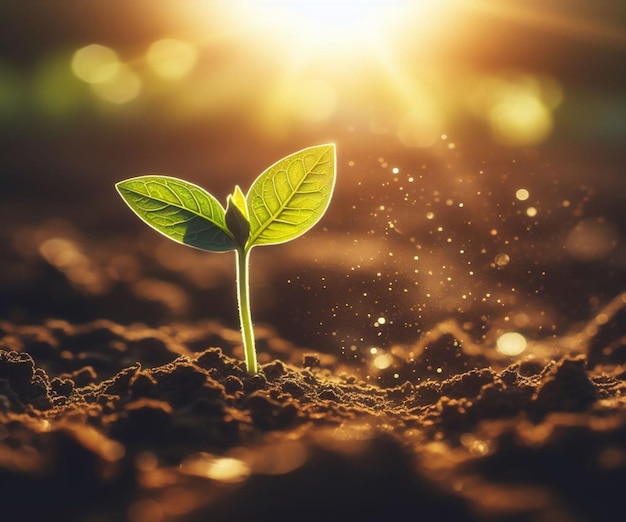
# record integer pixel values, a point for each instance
(179, 210)
(236, 218)
(239, 200)
(291, 196)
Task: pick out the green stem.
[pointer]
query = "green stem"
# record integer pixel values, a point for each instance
(245, 318)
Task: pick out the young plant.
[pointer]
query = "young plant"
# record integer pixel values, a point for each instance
(285, 201)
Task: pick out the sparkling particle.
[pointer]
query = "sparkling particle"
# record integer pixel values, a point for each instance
(522, 194)
(531, 211)
(502, 259)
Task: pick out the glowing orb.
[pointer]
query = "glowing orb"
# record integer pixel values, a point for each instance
(511, 343)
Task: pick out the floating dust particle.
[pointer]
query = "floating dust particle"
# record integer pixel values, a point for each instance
(522, 194)
(502, 259)
(430, 215)
(531, 211)
(521, 320)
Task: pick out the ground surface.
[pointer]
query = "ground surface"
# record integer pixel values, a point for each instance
(382, 395)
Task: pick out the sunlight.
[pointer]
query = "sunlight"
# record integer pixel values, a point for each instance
(323, 23)
(329, 29)
(413, 68)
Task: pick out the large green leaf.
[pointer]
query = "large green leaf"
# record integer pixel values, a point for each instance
(291, 196)
(179, 210)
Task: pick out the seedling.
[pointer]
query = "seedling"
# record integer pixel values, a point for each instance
(285, 201)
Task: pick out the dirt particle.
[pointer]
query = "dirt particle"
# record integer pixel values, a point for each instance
(274, 370)
(310, 361)
(566, 388)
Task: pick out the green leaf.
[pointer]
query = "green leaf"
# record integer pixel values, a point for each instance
(236, 217)
(239, 200)
(179, 210)
(291, 196)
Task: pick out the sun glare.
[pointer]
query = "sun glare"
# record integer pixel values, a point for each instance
(299, 62)
(315, 25)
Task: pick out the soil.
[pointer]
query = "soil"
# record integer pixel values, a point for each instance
(115, 423)
(123, 395)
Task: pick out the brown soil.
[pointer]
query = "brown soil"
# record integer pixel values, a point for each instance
(106, 422)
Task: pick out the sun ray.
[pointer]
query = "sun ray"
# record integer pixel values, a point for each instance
(564, 23)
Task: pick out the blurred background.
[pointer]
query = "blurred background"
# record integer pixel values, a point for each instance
(480, 161)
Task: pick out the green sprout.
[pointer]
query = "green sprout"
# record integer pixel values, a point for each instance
(283, 203)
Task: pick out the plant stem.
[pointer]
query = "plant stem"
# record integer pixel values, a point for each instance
(245, 318)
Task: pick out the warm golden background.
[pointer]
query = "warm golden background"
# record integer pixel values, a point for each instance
(481, 164)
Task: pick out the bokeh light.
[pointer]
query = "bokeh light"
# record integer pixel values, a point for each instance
(110, 79)
(95, 63)
(592, 239)
(222, 469)
(171, 59)
(57, 92)
(511, 343)
(121, 87)
(517, 107)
